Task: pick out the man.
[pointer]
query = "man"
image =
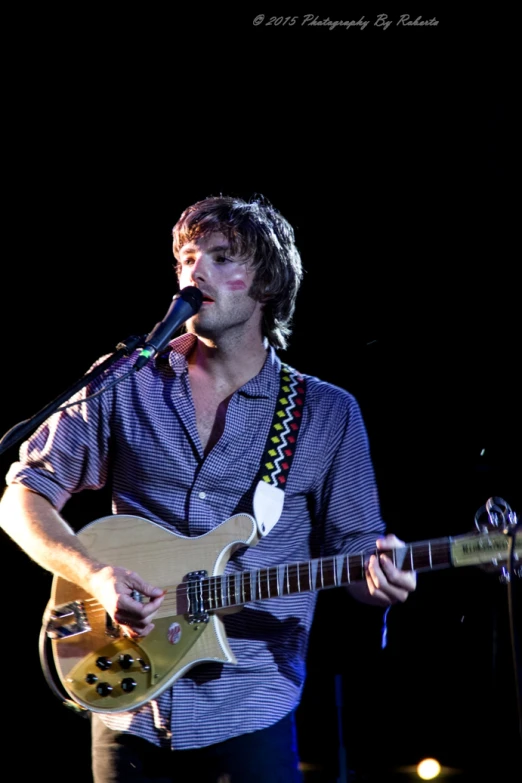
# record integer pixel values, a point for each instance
(184, 442)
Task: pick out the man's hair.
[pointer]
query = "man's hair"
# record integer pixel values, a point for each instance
(257, 230)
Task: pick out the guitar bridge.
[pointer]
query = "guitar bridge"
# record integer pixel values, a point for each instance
(196, 603)
(67, 620)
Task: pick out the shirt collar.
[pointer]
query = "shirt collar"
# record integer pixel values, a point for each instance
(261, 385)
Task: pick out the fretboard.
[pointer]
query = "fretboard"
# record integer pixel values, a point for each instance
(219, 592)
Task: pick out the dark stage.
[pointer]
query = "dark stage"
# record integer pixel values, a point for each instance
(390, 152)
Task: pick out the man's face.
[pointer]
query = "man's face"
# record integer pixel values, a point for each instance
(225, 280)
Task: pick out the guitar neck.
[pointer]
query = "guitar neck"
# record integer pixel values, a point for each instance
(220, 592)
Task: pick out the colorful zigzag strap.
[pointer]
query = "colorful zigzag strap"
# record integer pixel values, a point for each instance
(280, 446)
(279, 451)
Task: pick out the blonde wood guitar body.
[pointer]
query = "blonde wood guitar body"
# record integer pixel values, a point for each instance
(140, 670)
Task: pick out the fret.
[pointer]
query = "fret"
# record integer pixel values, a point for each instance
(232, 589)
(228, 591)
(298, 579)
(420, 557)
(339, 562)
(412, 567)
(252, 587)
(314, 574)
(288, 590)
(429, 554)
(280, 579)
(441, 553)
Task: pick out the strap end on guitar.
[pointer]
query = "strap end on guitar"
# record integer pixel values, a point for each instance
(268, 506)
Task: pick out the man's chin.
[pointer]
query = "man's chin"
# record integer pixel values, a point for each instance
(196, 327)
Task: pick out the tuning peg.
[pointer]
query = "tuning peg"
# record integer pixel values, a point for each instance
(505, 577)
(495, 513)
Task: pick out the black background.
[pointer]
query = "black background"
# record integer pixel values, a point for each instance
(391, 153)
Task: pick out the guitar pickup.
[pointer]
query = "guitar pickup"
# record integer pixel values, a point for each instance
(67, 620)
(196, 603)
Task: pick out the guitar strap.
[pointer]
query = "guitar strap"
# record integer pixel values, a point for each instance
(278, 454)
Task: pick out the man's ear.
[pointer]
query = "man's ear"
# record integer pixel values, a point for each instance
(264, 295)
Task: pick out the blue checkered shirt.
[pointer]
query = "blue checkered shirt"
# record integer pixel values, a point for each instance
(142, 434)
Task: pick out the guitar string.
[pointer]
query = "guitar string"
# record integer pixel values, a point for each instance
(294, 570)
(264, 582)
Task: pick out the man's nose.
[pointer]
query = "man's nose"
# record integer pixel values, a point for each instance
(199, 268)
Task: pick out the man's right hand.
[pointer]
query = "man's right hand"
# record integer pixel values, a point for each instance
(131, 602)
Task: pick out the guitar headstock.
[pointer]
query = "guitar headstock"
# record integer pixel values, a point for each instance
(496, 519)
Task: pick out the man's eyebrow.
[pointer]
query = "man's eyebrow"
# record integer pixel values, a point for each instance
(213, 249)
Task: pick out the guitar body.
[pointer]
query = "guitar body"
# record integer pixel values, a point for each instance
(141, 669)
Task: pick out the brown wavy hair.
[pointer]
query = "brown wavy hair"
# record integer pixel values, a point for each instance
(255, 229)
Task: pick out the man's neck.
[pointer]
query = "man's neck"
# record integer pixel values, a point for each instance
(228, 363)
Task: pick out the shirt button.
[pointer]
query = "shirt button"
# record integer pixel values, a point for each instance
(202, 495)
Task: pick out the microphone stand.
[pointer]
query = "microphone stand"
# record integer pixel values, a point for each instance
(24, 428)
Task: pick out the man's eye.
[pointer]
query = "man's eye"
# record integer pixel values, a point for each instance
(222, 259)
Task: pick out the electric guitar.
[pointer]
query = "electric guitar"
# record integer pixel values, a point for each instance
(102, 670)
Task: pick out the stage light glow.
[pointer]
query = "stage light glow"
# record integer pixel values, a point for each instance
(427, 769)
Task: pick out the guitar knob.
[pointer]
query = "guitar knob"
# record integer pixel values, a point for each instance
(104, 689)
(103, 663)
(128, 684)
(126, 661)
(145, 667)
(91, 679)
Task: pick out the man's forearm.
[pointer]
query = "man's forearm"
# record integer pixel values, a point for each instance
(35, 525)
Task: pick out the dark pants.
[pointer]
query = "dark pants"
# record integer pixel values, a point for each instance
(266, 756)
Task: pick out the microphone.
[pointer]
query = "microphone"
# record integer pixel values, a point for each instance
(184, 305)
